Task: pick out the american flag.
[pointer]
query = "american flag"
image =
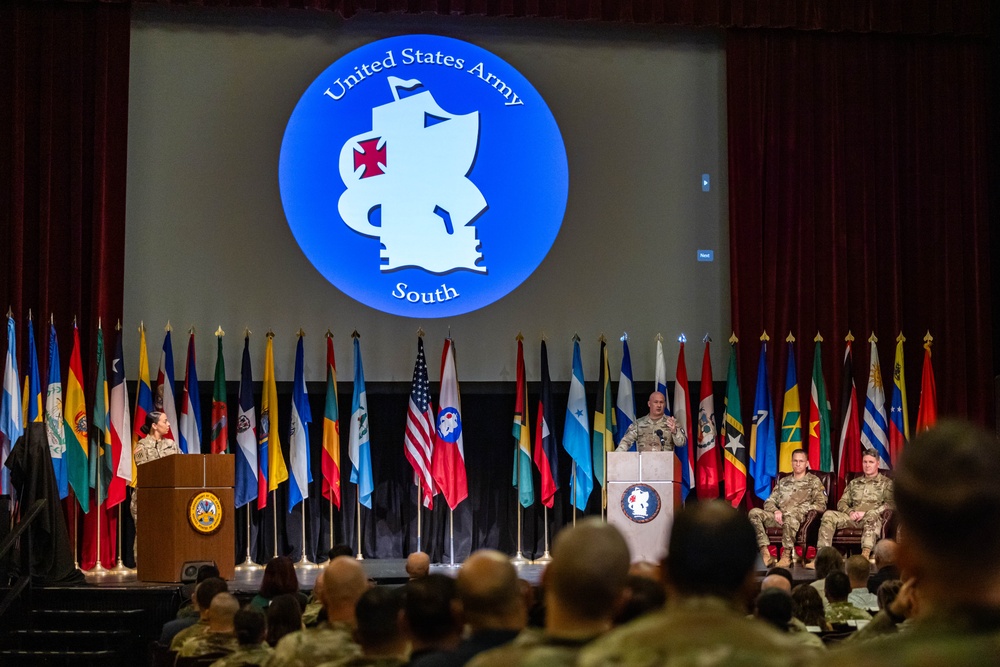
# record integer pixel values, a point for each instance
(419, 438)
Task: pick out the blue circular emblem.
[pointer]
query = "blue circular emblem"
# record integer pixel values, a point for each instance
(449, 425)
(423, 176)
(640, 503)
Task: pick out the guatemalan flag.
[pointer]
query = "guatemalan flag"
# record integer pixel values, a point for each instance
(300, 474)
(164, 400)
(360, 443)
(190, 426)
(246, 435)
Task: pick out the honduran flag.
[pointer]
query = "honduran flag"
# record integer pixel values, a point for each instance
(576, 436)
(300, 472)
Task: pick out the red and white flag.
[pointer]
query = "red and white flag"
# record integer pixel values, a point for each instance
(706, 461)
(448, 459)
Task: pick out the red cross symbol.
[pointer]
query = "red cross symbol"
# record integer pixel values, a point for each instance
(369, 157)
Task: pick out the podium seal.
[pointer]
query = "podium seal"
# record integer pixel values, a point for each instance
(205, 513)
(640, 503)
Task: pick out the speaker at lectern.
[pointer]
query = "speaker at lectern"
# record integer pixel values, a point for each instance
(642, 497)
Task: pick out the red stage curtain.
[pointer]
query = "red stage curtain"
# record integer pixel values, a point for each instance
(858, 200)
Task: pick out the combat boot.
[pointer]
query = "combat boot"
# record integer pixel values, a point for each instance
(766, 556)
(786, 558)
(811, 565)
(867, 553)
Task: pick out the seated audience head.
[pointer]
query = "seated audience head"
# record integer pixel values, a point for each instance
(279, 578)
(713, 550)
(948, 498)
(206, 592)
(775, 581)
(807, 606)
(774, 607)
(222, 611)
(858, 569)
(284, 616)
(250, 626)
(206, 572)
(418, 564)
(887, 592)
(828, 560)
(344, 582)
(884, 553)
(642, 595)
(837, 587)
(783, 572)
(489, 593)
(378, 630)
(428, 612)
(340, 550)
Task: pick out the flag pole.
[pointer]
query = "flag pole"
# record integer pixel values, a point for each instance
(274, 518)
(418, 513)
(546, 557)
(304, 562)
(451, 533)
(120, 568)
(358, 494)
(248, 565)
(331, 518)
(76, 534)
(572, 482)
(519, 558)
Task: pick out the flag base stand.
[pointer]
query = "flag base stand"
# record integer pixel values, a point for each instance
(121, 569)
(97, 572)
(306, 564)
(519, 559)
(546, 558)
(248, 566)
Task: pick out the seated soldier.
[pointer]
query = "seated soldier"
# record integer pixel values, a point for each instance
(250, 628)
(862, 506)
(220, 636)
(203, 596)
(793, 497)
(837, 588)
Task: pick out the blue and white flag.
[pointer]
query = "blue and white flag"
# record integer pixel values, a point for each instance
(875, 430)
(763, 446)
(11, 416)
(360, 444)
(576, 435)
(55, 427)
(625, 403)
(300, 474)
(661, 376)
(246, 435)
(190, 426)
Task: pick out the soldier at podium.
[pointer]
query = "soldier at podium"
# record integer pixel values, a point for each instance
(149, 448)
(656, 432)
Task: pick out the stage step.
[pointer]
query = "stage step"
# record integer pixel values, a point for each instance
(85, 619)
(16, 658)
(53, 640)
(71, 637)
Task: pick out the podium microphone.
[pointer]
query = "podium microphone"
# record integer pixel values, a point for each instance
(659, 433)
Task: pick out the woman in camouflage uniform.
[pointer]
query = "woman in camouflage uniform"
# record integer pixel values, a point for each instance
(153, 446)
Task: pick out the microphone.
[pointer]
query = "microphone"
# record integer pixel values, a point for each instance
(659, 433)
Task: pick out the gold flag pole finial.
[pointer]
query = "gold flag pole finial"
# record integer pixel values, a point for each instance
(74, 321)
(168, 327)
(519, 337)
(328, 334)
(576, 337)
(682, 338)
(706, 339)
(269, 334)
(873, 338)
(659, 337)
(142, 326)
(246, 331)
(191, 330)
(118, 326)
(98, 322)
(544, 339)
(900, 338)
(420, 332)
(52, 319)
(849, 337)
(10, 311)
(355, 334)
(818, 338)
(733, 339)
(764, 337)
(29, 314)
(789, 338)
(300, 333)
(219, 332)
(928, 340)
(602, 338)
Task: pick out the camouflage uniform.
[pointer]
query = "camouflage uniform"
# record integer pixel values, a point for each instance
(366, 661)
(313, 646)
(869, 495)
(253, 655)
(532, 648)
(695, 631)
(207, 643)
(644, 431)
(795, 498)
(146, 450)
(842, 612)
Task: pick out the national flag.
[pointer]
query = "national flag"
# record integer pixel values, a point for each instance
(685, 452)
(849, 454)
(706, 463)
(163, 400)
(269, 438)
(300, 473)
(661, 375)
(11, 414)
(120, 422)
(359, 445)
(625, 402)
(55, 428)
(820, 444)
(546, 447)
(190, 426)
(246, 435)
(448, 464)
(899, 419)
(100, 459)
(418, 440)
(603, 436)
(32, 382)
(874, 431)
(331, 430)
(220, 413)
(521, 431)
(75, 418)
(143, 396)
(791, 413)
(576, 435)
(735, 451)
(763, 448)
(927, 412)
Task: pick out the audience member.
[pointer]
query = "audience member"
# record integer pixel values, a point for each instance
(827, 560)
(203, 596)
(776, 581)
(592, 552)
(342, 585)
(491, 605)
(250, 628)
(774, 606)
(888, 592)
(338, 550)
(884, 554)
(187, 608)
(220, 635)
(284, 616)
(418, 565)
(793, 497)
(279, 579)
(642, 596)
(383, 642)
(808, 609)
(858, 568)
(838, 587)
(709, 574)
(429, 615)
(783, 572)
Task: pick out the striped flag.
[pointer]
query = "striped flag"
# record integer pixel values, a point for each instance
(300, 473)
(546, 447)
(163, 400)
(661, 376)
(521, 431)
(733, 434)
(685, 452)
(899, 419)
(220, 412)
(874, 431)
(849, 447)
(246, 434)
(331, 429)
(820, 443)
(602, 438)
(269, 438)
(143, 395)
(32, 382)
(927, 412)
(625, 402)
(55, 428)
(359, 445)
(101, 467)
(706, 464)
(75, 417)
(791, 413)
(120, 421)
(11, 415)
(763, 448)
(576, 436)
(418, 440)
(448, 464)
(190, 425)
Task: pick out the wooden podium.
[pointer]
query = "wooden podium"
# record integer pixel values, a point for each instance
(642, 496)
(166, 537)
